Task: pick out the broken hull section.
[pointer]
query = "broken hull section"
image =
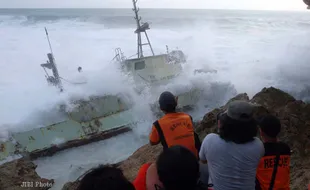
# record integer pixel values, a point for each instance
(186, 101)
(189, 98)
(96, 119)
(82, 127)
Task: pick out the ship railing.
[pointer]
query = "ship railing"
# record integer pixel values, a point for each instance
(119, 55)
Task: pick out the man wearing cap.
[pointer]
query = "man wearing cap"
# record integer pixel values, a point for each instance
(233, 155)
(174, 128)
(273, 171)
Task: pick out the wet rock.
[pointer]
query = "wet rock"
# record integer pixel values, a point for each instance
(243, 96)
(208, 123)
(21, 175)
(272, 98)
(71, 185)
(295, 119)
(143, 155)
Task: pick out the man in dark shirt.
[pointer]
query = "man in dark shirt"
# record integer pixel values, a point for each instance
(273, 171)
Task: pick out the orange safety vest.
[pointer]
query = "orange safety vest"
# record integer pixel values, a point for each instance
(176, 129)
(269, 172)
(140, 181)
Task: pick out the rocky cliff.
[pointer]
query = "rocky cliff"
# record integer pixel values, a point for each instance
(294, 116)
(21, 175)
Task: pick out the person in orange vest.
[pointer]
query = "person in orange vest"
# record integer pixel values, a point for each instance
(176, 168)
(273, 171)
(174, 128)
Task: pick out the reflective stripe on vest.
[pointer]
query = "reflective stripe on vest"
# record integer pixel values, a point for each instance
(160, 134)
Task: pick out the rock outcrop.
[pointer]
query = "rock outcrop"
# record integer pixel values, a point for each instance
(21, 175)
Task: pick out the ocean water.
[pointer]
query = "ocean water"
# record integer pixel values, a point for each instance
(249, 49)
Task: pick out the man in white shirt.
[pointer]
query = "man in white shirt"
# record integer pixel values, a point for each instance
(234, 154)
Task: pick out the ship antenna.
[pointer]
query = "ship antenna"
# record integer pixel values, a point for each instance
(48, 39)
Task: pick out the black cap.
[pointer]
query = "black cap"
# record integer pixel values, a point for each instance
(167, 101)
(270, 125)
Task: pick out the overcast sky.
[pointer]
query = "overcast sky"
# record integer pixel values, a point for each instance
(203, 4)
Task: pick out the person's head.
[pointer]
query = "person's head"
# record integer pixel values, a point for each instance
(167, 102)
(178, 168)
(269, 127)
(79, 69)
(237, 123)
(105, 177)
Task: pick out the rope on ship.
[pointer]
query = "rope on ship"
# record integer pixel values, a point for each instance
(70, 82)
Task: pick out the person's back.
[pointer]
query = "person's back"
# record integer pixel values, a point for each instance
(233, 155)
(177, 129)
(174, 128)
(231, 165)
(270, 127)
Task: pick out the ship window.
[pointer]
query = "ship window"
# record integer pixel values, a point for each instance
(139, 65)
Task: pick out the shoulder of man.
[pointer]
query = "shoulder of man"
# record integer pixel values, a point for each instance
(183, 113)
(258, 142)
(211, 137)
(186, 114)
(260, 146)
(282, 147)
(191, 118)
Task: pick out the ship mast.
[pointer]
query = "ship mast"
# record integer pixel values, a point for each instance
(50, 64)
(141, 28)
